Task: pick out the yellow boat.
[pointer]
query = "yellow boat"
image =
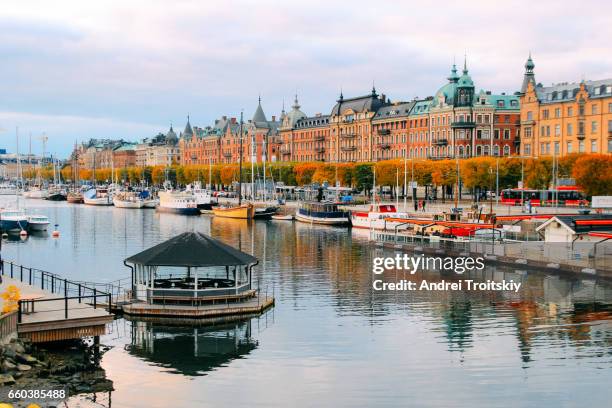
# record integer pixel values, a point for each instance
(244, 211)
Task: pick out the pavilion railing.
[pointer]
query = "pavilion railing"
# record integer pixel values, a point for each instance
(50, 282)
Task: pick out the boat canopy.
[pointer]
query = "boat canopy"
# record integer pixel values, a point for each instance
(192, 249)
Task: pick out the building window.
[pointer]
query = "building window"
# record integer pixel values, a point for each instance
(557, 112)
(581, 146)
(507, 134)
(570, 111)
(556, 148)
(593, 146)
(557, 130)
(528, 132)
(570, 129)
(545, 114)
(594, 109)
(610, 108)
(506, 150)
(496, 133)
(530, 114)
(594, 126)
(569, 147)
(527, 149)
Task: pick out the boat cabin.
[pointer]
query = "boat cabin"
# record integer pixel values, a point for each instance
(190, 267)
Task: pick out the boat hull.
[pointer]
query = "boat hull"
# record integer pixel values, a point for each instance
(39, 226)
(13, 225)
(322, 220)
(244, 212)
(56, 197)
(182, 211)
(283, 217)
(128, 204)
(97, 201)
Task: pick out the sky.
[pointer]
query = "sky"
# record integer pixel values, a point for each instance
(73, 70)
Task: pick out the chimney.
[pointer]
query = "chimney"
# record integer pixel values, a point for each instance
(273, 118)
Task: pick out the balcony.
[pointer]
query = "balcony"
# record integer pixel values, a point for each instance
(383, 132)
(227, 154)
(319, 138)
(384, 146)
(348, 135)
(609, 133)
(348, 148)
(285, 150)
(529, 122)
(319, 150)
(440, 142)
(463, 124)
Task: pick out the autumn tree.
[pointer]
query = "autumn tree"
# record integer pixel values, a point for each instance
(593, 173)
(304, 173)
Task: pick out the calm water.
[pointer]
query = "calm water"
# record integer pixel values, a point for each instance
(330, 340)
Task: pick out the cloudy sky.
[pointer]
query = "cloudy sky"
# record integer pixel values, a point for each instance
(128, 68)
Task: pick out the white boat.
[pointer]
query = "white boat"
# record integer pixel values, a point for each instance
(13, 220)
(322, 213)
(177, 202)
(151, 203)
(36, 193)
(38, 222)
(128, 200)
(202, 196)
(8, 189)
(99, 196)
(378, 217)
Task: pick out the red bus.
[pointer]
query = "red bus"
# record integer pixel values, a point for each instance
(570, 196)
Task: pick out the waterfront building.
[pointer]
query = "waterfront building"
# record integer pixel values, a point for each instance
(303, 138)
(390, 128)
(418, 136)
(161, 150)
(350, 125)
(565, 118)
(124, 155)
(465, 124)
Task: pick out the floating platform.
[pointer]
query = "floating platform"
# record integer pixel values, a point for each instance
(253, 305)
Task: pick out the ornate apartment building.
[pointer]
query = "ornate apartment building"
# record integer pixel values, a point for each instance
(565, 118)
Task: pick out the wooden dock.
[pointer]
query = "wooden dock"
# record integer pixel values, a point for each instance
(47, 316)
(256, 304)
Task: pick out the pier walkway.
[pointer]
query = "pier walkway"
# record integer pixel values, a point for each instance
(51, 308)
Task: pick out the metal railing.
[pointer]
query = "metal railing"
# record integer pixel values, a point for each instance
(53, 283)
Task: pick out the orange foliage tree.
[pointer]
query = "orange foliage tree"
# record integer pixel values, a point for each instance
(304, 173)
(593, 173)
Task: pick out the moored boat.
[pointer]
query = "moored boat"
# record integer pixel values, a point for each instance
(203, 197)
(8, 189)
(244, 211)
(322, 213)
(38, 222)
(97, 196)
(128, 200)
(13, 220)
(56, 194)
(75, 197)
(177, 202)
(36, 193)
(379, 217)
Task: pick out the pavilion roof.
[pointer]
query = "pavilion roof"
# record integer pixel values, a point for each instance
(191, 249)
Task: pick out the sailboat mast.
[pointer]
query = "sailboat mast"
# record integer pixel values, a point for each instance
(240, 164)
(263, 156)
(253, 158)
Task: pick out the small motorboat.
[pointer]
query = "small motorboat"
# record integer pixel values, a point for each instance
(283, 217)
(56, 194)
(322, 213)
(38, 222)
(128, 200)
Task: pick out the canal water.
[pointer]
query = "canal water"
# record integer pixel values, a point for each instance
(330, 340)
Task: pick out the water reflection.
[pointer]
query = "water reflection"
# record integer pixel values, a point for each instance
(191, 348)
(348, 345)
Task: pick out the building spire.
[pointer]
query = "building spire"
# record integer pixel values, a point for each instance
(465, 70)
(529, 74)
(296, 105)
